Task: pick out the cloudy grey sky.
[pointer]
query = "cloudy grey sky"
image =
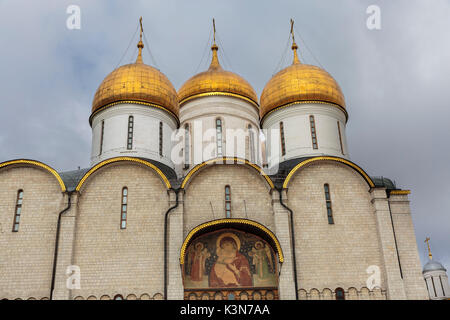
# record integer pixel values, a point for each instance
(395, 80)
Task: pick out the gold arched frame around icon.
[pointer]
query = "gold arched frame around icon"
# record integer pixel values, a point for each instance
(229, 259)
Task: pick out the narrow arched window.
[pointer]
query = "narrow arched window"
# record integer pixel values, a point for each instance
(313, 132)
(102, 132)
(118, 297)
(219, 137)
(328, 203)
(160, 138)
(340, 137)
(283, 145)
(130, 132)
(123, 215)
(187, 146)
(227, 202)
(252, 143)
(340, 294)
(18, 210)
(264, 153)
(247, 147)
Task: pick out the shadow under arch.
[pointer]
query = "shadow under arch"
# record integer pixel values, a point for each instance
(226, 161)
(335, 159)
(37, 164)
(123, 159)
(238, 224)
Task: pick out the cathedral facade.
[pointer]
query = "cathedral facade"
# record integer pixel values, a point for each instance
(209, 193)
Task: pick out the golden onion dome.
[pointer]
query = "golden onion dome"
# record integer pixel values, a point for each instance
(136, 83)
(300, 83)
(215, 82)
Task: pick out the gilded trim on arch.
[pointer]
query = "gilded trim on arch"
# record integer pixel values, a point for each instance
(105, 162)
(400, 192)
(39, 164)
(157, 106)
(344, 161)
(224, 159)
(230, 221)
(218, 93)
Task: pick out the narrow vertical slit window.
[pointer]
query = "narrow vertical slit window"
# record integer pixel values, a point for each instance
(328, 203)
(124, 209)
(434, 287)
(130, 132)
(340, 294)
(340, 137)
(264, 153)
(219, 137)
(252, 143)
(227, 202)
(313, 132)
(247, 147)
(442, 286)
(18, 210)
(102, 133)
(160, 138)
(187, 147)
(283, 145)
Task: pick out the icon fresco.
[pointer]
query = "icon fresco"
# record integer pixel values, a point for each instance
(229, 259)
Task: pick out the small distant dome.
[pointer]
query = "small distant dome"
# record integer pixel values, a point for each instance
(137, 82)
(217, 81)
(433, 265)
(300, 83)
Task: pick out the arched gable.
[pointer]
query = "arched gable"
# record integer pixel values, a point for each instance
(226, 161)
(240, 224)
(119, 159)
(335, 159)
(35, 163)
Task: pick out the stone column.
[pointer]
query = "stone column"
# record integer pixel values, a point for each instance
(282, 231)
(65, 249)
(175, 290)
(413, 280)
(391, 268)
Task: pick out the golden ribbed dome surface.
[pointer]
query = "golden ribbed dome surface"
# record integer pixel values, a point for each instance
(137, 82)
(300, 83)
(216, 81)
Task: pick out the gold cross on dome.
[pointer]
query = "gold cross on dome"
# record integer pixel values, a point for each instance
(292, 30)
(140, 44)
(294, 45)
(427, 240)
(142, 29)
(214, 30)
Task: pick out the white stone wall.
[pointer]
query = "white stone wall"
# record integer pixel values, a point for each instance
(145, 133)
(130, 262)
(297, 132)
(26, 256)
(407, 247)
(389, 250)
(351, 293)
(207, 188)
(333, 255)
(115, 261)
(286, 284)
(236, 115)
